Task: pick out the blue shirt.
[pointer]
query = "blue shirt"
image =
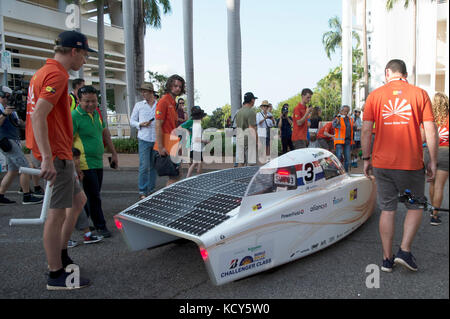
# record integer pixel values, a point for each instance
(10, 126)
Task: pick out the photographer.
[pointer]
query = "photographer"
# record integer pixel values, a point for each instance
(264, 121)
(285, 128)
(12, 150)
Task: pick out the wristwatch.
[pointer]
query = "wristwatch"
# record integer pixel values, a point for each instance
(366, 158)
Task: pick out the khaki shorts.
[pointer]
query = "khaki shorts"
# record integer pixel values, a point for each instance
(392, 182)
(66, 185)
(442, 159)
(300, 144)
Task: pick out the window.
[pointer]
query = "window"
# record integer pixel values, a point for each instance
(331, 167)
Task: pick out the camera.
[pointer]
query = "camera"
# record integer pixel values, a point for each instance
(18, 99)
(284, 110)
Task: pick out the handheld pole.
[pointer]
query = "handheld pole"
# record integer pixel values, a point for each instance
(45, 204)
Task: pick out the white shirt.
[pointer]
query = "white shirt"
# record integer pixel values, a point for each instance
(262, 132)
(197, 136)
(143, 112)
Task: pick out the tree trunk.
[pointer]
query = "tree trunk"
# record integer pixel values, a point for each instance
(129, 54)
(101, 58)
(188, 51)
(366, 58)
(234, 54)
(139, 28)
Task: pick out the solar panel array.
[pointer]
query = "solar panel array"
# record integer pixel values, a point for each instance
(198, 204)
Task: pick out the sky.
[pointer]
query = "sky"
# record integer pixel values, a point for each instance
(282, 50)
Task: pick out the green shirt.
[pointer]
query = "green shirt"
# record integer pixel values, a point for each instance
(88, 138)
(245, 117)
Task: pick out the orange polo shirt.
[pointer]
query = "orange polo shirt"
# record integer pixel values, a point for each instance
(51, 84)
(398, 109)
(165, 110)
(299, 132)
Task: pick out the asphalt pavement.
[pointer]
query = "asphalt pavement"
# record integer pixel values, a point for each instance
(176, 270)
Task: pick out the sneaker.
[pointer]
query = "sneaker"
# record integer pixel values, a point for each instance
(105, 233)
(72, 243)
(388, 264)
(406, 259)
(435, 221)
(39, 193)
(30, 199)
(92, 239)
(65, 283)
(5, 201)
(20, 191)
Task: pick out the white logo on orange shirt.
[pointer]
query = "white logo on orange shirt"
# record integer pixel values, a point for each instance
(402, 110)
(443, 134)
(30, 99)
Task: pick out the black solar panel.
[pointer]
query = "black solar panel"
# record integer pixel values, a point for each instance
(198, 204)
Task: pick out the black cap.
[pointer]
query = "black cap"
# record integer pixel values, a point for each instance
(73, 39)
(249, 96)
(197, 112)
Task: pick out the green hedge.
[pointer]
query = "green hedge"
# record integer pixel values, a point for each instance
(126, 145)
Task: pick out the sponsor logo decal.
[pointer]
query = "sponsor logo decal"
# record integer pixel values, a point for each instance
(257, 207)
(354, 194)
(337, 200)
(259, 257)
(296, 213)
(318, 207)
(397, 92)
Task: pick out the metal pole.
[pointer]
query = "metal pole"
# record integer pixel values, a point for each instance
(129, 53)
(188, 52)
(2, 30)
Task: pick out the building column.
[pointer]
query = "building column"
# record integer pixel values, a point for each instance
(347, 53)
(446, 60)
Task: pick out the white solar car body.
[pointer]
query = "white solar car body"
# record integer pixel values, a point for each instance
(247, 220)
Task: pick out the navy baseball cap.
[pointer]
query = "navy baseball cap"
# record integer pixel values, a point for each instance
(73, 39)
(249, 96)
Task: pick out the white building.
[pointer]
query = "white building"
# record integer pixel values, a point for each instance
(390, 35)
(29, 30)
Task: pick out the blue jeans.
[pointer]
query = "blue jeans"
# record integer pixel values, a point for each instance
(344, 149)
(147, 173)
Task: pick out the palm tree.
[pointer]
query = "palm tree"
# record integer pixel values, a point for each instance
(333, 38)
(389, 5)
(146, 13)
(234, 53)
(188, 52)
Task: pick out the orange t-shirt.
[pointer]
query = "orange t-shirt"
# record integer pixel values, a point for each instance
(326, 128)
(299, 132)
(51, 84)
(398, 109)
(165, 110)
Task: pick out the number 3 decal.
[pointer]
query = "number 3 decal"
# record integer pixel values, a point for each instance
(309, 168)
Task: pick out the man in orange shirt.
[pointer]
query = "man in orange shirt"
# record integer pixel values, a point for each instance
(398, 109)
(49, 134)
(325, 137)
(301, 114)
(166, 120)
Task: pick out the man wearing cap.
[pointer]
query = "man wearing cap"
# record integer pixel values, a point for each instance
(264, 121)
(246, 119)
(143, 118)
(301, 114)
(49, 134)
